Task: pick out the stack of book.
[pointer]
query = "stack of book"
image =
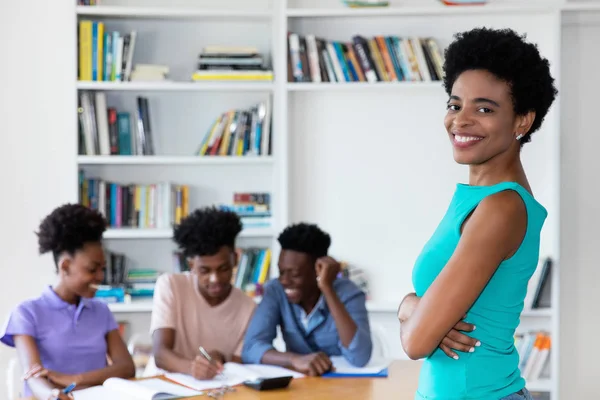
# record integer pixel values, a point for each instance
(253, 208)
(240, 133)
(224, 63)
(377, 59)
(103, 130)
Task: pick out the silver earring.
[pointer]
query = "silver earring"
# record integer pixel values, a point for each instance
(520, 136)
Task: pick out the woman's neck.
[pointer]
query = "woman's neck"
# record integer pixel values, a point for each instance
(66, 294)
(501, 168)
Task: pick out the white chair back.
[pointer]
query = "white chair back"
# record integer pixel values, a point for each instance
(14, 384)
(381, 349)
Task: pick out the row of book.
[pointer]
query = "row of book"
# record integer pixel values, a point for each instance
(244, 132)
(103, 130)
(142, 206)
(378, 59)
(227, 63)
(534, 352)
(121, 281)
(539, 288)
(104, 56)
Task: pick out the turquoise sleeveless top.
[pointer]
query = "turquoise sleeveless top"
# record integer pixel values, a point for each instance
(491, 371)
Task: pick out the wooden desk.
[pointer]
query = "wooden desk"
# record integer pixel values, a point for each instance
(400, 384)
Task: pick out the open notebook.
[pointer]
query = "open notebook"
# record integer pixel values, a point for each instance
(147, 389)
(233, 374)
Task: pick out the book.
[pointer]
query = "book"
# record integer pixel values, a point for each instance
(343, 369)
(145, 389)
(233, 374)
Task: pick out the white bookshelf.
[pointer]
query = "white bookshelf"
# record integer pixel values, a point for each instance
(169, 12)
(170, 86)
(173, 160)
(319, 129)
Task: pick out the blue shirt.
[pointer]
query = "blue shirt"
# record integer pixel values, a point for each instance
(320, 333)
(71, 339)
(492, 370)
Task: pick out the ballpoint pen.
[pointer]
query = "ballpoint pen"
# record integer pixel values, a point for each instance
(69, 388)
(209, 358)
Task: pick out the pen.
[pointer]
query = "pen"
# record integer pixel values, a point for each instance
(69, 388)
(208, 357)
(205, 354)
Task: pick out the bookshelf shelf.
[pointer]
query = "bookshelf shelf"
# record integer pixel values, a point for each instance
(134, 233)
(581, 7)
(173, 160)
(540, 385)
(170, 86)
(168, 12)
(350, 86)
(538, 313)
(417, 11)
(136, 306)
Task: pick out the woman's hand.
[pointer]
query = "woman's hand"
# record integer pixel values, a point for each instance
(454, 340)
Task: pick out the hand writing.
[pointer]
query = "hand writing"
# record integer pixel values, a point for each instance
(201, 368)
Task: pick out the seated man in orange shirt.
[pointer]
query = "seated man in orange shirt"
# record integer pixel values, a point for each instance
(201, 307)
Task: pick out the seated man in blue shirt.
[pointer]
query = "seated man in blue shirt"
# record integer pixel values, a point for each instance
(320, 315)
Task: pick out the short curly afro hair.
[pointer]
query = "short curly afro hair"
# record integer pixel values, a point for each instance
(206, 230)
(305, 238)
(68, 228)
(509, 57)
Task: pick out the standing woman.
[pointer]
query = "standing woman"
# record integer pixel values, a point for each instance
(477, 263)
(64, 336)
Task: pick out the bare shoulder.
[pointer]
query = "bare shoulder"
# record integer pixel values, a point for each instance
(500, 220)
(506, 206)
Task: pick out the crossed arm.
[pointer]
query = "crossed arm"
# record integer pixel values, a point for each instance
(492, 233)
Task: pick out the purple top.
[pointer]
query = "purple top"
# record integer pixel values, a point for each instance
(71, 339)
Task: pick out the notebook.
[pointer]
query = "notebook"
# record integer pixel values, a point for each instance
(233, 374)
(146, 389)
(374, 369)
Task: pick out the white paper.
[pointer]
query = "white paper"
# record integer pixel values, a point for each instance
(233, 374)
(342, 366)
(122, 389)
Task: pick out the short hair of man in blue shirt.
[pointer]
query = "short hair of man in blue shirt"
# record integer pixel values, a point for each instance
(320, 314)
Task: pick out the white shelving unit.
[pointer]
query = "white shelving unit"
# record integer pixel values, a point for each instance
(319, 129)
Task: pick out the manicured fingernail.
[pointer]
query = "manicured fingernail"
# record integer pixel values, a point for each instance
(478, 344)
(474, 327)
(455, 357)
(472, 349)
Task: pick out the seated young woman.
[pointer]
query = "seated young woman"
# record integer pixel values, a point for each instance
(64, 336)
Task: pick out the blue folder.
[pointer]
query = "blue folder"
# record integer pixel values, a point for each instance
(381, 374)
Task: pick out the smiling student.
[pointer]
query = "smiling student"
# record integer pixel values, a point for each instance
(320, 315)
(481, 256)
(64, 336)
(201, 307)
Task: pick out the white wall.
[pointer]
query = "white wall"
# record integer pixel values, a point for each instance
(580, 211)
(37, 154)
